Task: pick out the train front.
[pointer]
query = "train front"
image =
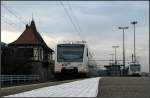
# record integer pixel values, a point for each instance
(70, 59)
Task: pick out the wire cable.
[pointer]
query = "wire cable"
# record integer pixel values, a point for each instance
(76, 20)
(13, 13)
(70, 18)
(10, 22)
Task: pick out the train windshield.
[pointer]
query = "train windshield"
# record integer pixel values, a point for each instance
(70, 53)
(135, 67)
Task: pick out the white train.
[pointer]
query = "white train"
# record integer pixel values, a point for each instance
(135, 69)
(73, 57)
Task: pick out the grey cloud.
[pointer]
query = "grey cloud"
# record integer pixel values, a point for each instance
(99, 22)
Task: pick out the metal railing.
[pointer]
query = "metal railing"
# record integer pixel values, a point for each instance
(11, 80)
(4, 78)
(14, 80)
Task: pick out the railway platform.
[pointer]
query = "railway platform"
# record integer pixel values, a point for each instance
(98, 87)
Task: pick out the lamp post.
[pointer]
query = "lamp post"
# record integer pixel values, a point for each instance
(134, 22)
(123, 28)
(115, 53)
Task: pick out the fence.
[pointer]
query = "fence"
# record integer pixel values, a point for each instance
(9, 80)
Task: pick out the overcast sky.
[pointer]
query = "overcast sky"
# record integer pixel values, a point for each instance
(98, 22)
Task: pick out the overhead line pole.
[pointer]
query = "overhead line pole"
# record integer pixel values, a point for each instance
(115, 53)
(134, 22)
(112, 57)
(123, 45)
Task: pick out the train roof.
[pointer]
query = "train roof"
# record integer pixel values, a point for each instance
(135, 64)
(72, 42)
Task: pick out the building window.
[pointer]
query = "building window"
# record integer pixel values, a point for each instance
(38, 53)
(25, 52)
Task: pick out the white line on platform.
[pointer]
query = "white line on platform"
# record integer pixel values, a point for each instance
(80, 88)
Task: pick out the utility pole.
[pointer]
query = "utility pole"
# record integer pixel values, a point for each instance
(115, 53)
(134, 22)
(123, 45)
(112, 57)
(132, 58)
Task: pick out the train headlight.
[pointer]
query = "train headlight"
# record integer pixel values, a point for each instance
(71, 42)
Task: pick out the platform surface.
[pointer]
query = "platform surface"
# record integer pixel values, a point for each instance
(81, 88)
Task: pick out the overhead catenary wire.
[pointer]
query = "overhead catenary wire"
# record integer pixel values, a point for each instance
(70, 18)
(76, 26)
(10, 23)
(77, 22)
(74, 16)
(11, 11)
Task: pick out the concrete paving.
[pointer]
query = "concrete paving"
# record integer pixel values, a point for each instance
(124, 87)
(81, 88)
(18, 89)
(109, 87)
